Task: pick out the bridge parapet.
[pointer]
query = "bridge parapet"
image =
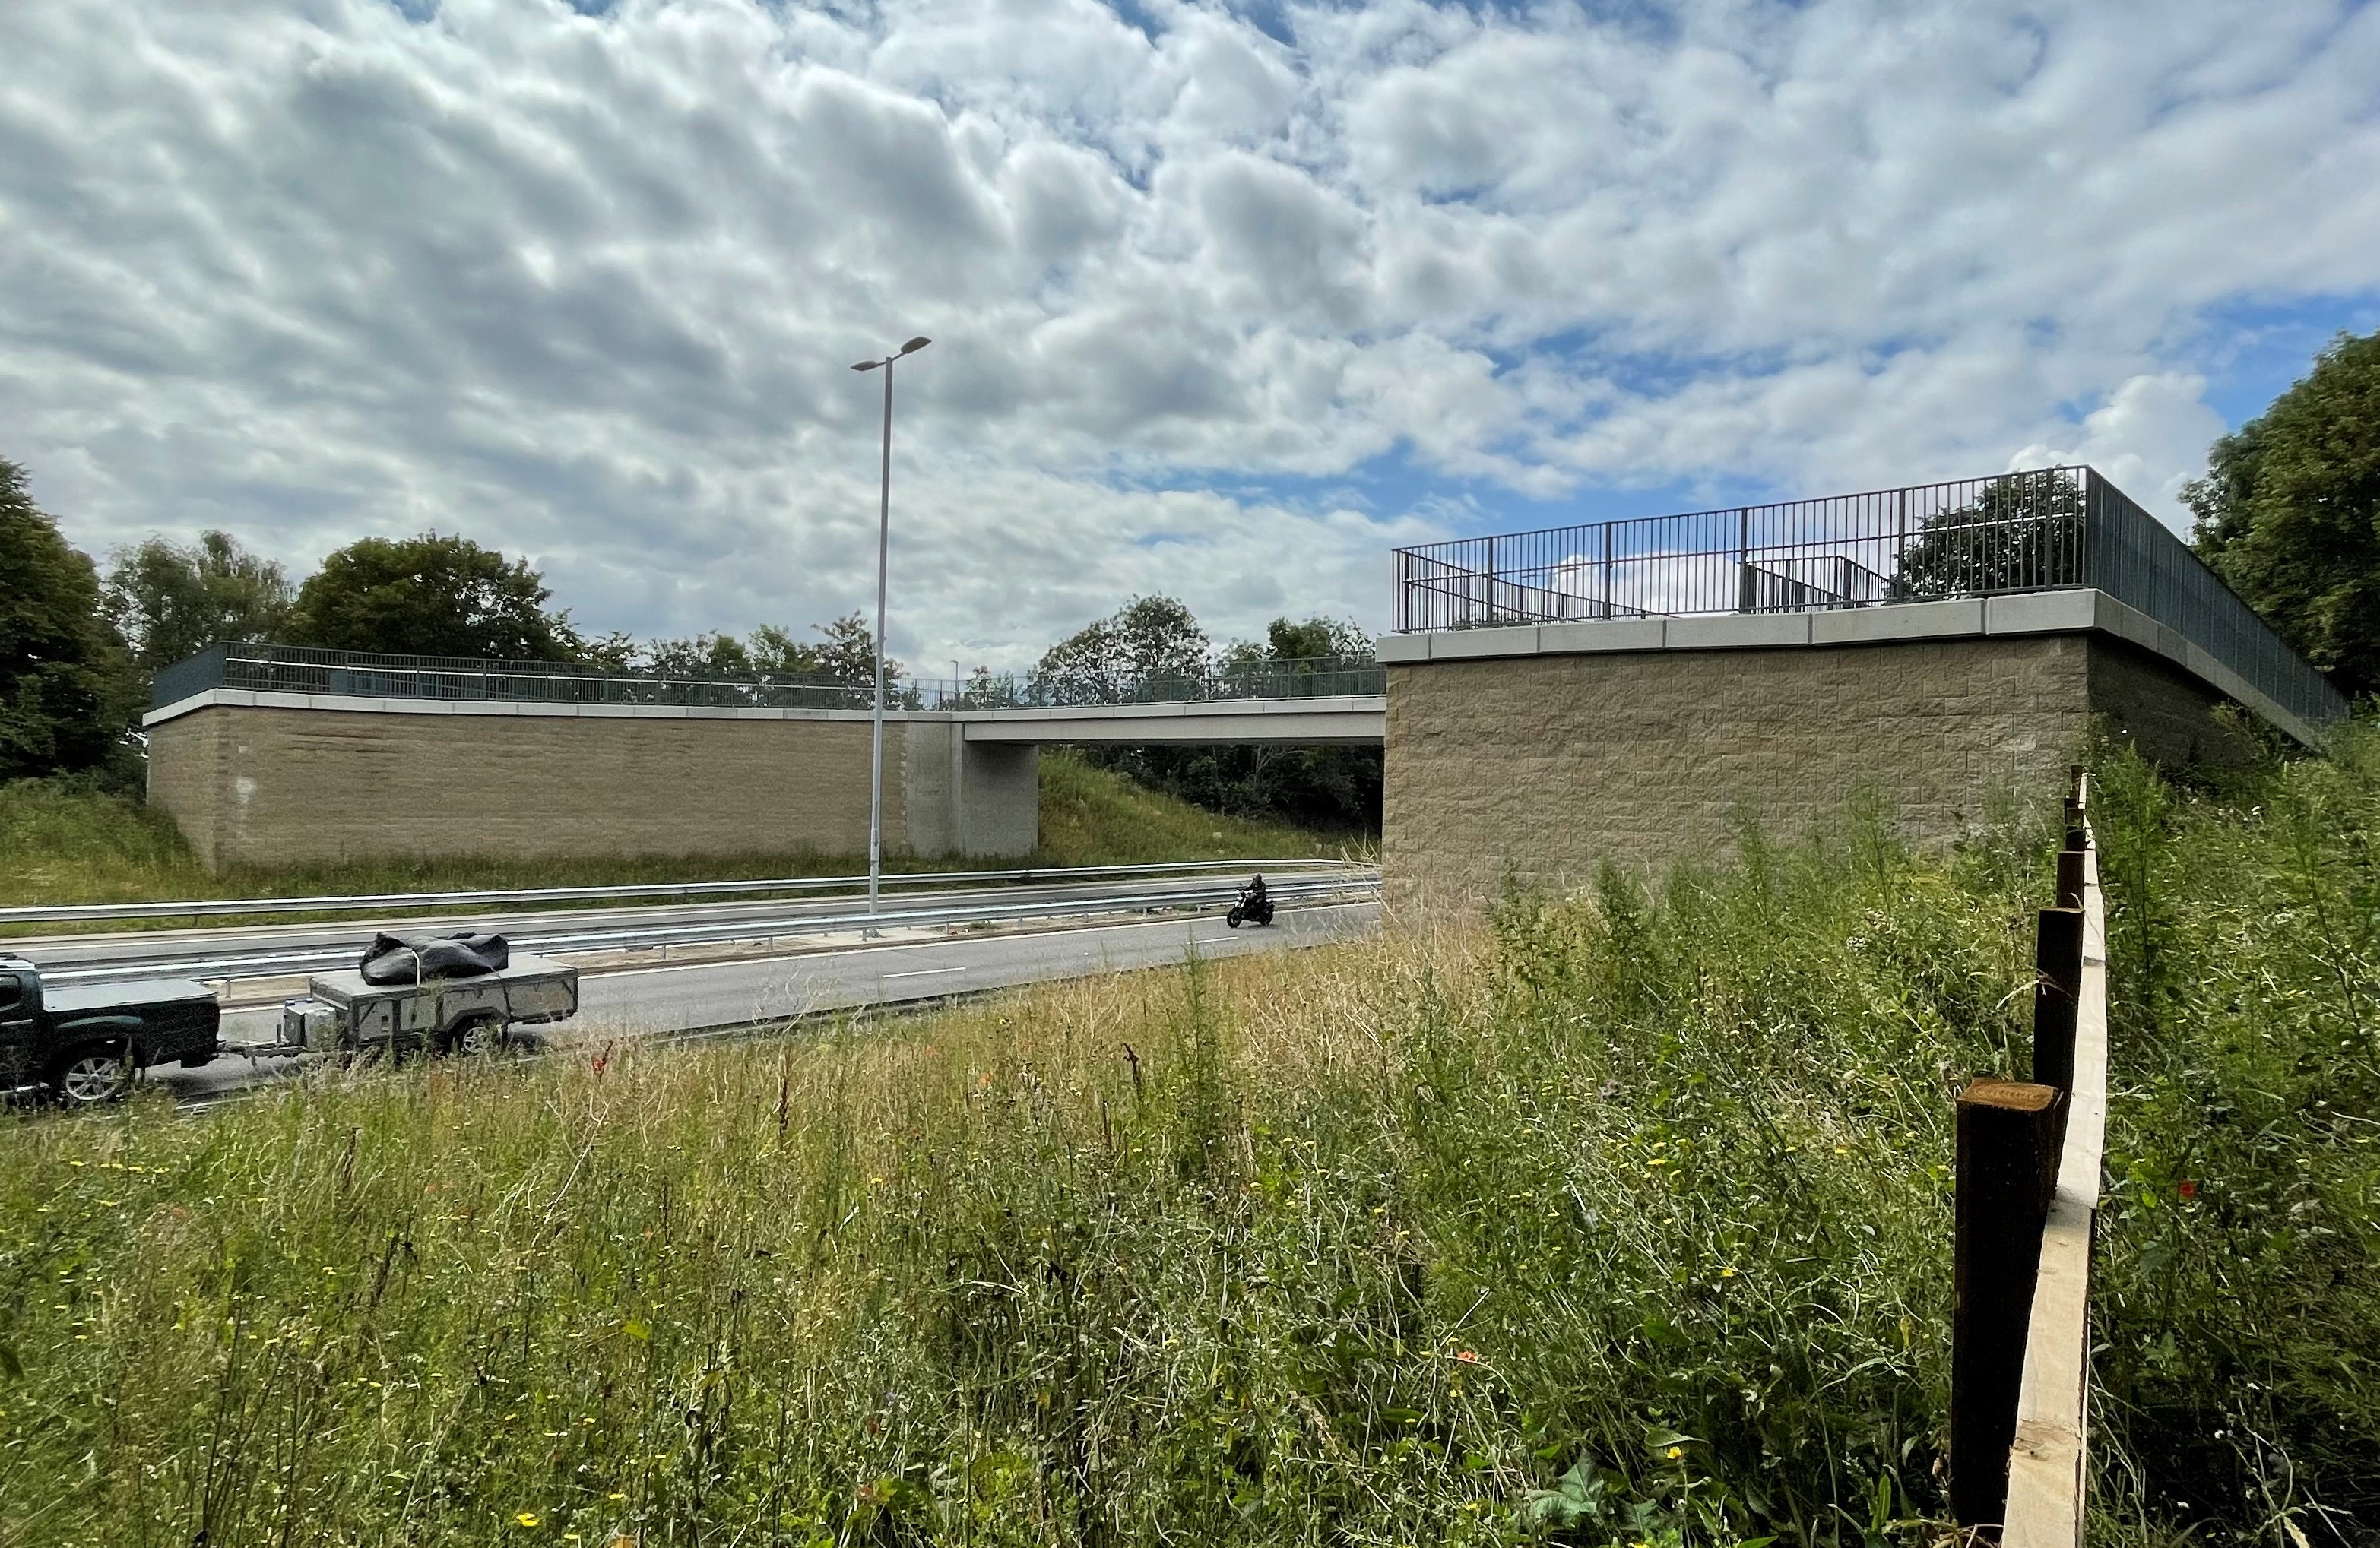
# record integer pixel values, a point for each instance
(255, 666)
(1642, 692)
(2056, 530)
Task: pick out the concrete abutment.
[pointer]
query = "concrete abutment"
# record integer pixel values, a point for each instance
(1538, 756)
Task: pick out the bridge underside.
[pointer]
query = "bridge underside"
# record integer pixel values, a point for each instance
(1359, 720)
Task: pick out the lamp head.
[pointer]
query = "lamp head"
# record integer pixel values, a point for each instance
(866, 365)
(916, 344)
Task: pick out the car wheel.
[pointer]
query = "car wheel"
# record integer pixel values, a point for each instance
(90, 1076)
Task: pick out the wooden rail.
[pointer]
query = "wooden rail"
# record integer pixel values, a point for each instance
(2028, 1181)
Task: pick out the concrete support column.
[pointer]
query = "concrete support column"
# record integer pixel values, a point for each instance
(969, 798)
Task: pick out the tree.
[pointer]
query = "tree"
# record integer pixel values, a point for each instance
(1317, 640)
(431, 596)
(1134, 651)
(703, 656)
(67, 690)
(849, 654)
(171, 602)
(1155, 640)
(2023, 530)
(2289, 513)
(1317, 646)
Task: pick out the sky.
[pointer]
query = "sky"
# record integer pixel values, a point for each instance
(1226, 302)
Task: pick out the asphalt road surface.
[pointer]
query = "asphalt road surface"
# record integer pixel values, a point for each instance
(153, 952)
(693, 996)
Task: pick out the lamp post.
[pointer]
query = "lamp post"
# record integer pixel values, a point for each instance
(883, 554)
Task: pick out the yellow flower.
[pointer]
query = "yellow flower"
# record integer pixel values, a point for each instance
(615, 1499)
(527, 1519)
(1676, 1451)
(1727, 1273)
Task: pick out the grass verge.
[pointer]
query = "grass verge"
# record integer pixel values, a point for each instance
(1626, 1221)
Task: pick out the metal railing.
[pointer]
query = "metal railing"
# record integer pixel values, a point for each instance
(2058, 528)
(293, 669)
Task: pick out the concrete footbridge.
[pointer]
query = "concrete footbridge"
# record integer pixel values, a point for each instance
(270, 754)
(1632, 690)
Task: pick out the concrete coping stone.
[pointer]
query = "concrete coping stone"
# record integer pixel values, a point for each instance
(1353, 706)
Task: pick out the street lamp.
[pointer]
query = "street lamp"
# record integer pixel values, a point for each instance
(884, 553)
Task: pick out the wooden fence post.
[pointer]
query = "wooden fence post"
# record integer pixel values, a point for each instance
(2007, 1167)
(2057, 988)
(2070, 879)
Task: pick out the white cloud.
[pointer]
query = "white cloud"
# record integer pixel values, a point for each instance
(2150, 438)
(587, 286)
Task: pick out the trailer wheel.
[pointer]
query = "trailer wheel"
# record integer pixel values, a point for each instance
(477, 1036)
(88, 1077)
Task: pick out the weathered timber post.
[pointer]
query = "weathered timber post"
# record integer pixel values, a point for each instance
(2007, 1167)
(2056, 990)
(2070, 879)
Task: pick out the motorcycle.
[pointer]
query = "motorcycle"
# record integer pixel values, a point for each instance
(1255, 906)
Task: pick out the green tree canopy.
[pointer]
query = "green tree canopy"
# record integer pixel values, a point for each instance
(847, 654)
(2021, 531)
(703, 656)
(1314, 639)
(431, 596)
(2289, 513)
(67, 690)
(170, 603)
(1147, 641)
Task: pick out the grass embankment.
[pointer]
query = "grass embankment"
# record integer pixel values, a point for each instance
(1627, 1223)
(61, 844)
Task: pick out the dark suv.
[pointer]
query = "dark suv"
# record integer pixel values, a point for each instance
(86, 1044)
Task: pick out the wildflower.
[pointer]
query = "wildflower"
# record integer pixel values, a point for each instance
(1727, 1273)
(2187, 1190)
(1675, 1452)
(1468, 1357)
(526, 1518)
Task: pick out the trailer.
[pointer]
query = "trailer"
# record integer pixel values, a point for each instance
(340, 1012)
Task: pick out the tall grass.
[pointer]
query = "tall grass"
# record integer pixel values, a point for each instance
(67, 842)
(1624, 1220)
(2239, 1291)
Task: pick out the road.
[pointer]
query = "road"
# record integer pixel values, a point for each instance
(684, 997)
(203, 951)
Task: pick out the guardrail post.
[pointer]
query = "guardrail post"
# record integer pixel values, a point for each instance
(2007, 1166)
(2057, 989)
